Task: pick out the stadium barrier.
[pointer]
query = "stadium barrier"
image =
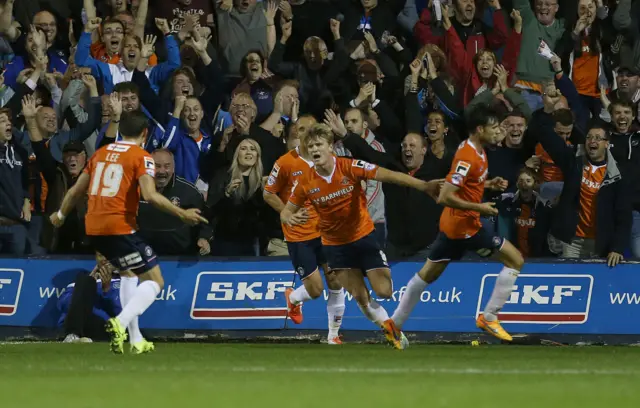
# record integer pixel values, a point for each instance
(552, 298)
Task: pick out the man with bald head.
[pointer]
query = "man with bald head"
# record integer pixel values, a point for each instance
(167, 234)
(412, 218)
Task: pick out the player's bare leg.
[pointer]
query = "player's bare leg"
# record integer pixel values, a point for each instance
(151, 283)
(512, 260)
(311, 288)
(429, 273)
(353, 282)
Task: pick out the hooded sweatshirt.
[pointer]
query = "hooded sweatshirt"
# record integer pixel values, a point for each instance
(14, 180)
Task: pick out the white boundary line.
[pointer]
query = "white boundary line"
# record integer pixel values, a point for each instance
(470, 371)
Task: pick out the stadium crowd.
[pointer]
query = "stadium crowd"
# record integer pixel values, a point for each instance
(229, 86)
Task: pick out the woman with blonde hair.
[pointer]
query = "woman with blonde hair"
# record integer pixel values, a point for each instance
(235, 205)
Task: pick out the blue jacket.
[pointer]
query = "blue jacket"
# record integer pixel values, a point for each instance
(56, 62)
(112, 74)
(185, 150)
(155, 139)
(109, 300)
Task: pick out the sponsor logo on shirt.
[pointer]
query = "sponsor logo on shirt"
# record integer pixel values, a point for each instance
(328, 197)
(276, 170)
(363, 165)
(462, 168)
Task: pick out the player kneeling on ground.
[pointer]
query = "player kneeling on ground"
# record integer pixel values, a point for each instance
(334, 189)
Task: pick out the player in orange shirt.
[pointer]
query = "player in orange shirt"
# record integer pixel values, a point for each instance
(303, 240)
(114, 178)
(460, 227)
(335, 190)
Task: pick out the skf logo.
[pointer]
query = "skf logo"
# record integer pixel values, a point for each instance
(241, 295)
(543, 299)
(10, 286)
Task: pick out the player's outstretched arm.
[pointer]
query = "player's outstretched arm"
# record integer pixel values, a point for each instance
(449, 198)
(70, 199)
(388, 176)
(148, 189)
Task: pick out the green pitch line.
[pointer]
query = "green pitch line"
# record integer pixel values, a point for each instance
(283, 376)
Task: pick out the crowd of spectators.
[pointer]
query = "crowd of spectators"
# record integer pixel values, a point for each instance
(230, 85)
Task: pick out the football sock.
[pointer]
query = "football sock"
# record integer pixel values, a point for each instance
(299, 295)
(501, 293)
(335, 310)
(128, 285)
(142, 298)
(409, 299)
(374, 312)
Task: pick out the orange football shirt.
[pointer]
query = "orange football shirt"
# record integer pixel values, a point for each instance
(339, 200)
(468, 172)
(286, 173)
(114, 193)
(592, 178)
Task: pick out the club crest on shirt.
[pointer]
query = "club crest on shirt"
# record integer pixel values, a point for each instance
(148, 251)
(175, 201)
(456, 179)
(345, 181)
(271, 181)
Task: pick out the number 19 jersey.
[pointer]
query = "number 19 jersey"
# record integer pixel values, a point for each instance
(113, 189)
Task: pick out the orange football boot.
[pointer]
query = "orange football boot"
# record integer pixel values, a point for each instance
(294, 311)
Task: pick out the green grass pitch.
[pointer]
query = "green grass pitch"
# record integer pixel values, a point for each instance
(313, 375)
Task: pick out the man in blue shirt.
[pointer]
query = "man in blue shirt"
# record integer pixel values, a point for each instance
(87, 303)
(134, 51)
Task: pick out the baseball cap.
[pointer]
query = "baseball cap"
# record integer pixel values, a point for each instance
(629, 70)
(74, 146)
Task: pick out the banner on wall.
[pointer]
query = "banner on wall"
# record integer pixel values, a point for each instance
(560, 298)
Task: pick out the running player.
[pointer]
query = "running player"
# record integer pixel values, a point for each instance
(460, 227)
(334, 188)
(303, 240)
(114, 179)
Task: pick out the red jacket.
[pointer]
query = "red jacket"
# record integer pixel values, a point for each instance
(464, 72)
(495, 38)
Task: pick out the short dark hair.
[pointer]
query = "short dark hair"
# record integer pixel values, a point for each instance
(127, 87)
(243, 63)
(112, 20)
(6, 111)
(624, 102)
(516, 113)
(599, 124)
(133, 123)
(445, 118)
(482, 116)
(563, 116)
(363, 114)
